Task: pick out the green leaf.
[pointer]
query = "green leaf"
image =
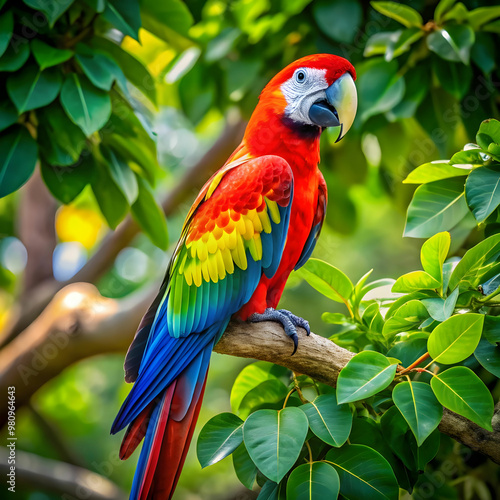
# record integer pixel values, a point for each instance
(61, 141)
(122, 175)
(392, 44)
(6, 28)
(488, 356)
(267, 393)
(409, 350)
(97, 5)
(220, 436)
(436, 206)
(364, 375)
(52, 9)
(31, 88)
(462, 391)
(150, 216)
(272, 491)
(274, 440)
(483, 53)
(414, 281)
(467, 159)
(407, 318)
(47, 56)
(158, 17)
(87, 106)
(416, 88)
(434, 171)
(137, 150)
(493, 27)
(372, 318)
(482, 15)
(402, 442)
(330, 421)
(489, 131)
(452, 43)
(441, 309)
(476, 263)
(252, 376)
(312, 481)
(245, 469)
(442, 7)
(334, 318)
(433, 254)
(126, 16)
(101, 70)
(368, 432)
(66, 183)
(419, 407)
(133, 70)
(401, 13)
(491, 328)
(454, 77)
(363, 472)
(18, 155)
(456, 338)
(327, 280)
(482, 191)
(8, 114)
(14, 57)
(491, 285)
(111, 200)
(380, 87)
(338, 19)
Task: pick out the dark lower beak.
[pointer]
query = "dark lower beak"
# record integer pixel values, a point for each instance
(323, 114)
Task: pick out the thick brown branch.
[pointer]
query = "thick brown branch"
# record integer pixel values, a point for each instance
(115, 241)
(80, 323)
(37, 231)
(70, 481)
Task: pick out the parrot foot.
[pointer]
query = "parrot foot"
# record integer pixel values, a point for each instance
(289, 321)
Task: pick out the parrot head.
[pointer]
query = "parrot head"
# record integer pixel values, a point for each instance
(313, 93)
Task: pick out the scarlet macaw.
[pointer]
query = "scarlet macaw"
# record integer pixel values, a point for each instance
(254, 221)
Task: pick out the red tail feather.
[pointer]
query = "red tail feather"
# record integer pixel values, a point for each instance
(173, 452)
(136, 432)
(170, 444)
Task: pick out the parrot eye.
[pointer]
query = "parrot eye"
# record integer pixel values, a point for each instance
(300, 76)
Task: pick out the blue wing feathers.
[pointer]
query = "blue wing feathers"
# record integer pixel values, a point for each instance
(309, 246)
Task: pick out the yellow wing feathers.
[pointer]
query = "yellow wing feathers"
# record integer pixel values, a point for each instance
(214, 253)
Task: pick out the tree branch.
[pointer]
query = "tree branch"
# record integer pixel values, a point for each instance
(80, 323)
(69, 480)
(33, 305)
(36, 229)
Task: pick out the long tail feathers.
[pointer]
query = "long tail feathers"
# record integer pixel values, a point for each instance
(167, 425)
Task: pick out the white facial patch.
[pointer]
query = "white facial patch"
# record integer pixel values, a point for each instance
(302, 90)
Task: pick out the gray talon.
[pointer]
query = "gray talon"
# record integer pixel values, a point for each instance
(288, 320)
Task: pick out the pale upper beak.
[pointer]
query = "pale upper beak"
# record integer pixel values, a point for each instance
(338, 109)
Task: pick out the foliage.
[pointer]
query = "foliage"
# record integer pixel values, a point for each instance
(416, 349)
(68, 103)
(450, 191)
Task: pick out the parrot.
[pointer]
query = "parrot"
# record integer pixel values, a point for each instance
(255, 221)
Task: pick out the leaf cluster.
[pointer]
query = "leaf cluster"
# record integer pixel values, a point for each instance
(69, 99)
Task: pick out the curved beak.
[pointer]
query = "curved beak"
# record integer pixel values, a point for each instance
(338, 109)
